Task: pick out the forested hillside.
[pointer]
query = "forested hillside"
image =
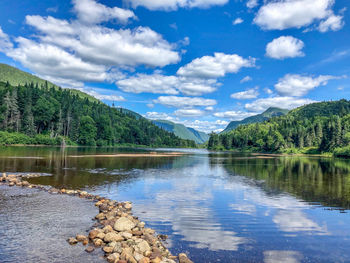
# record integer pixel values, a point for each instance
(318, 127)
(33, 114)
(15, 77)
(182, 131)
(269, 113)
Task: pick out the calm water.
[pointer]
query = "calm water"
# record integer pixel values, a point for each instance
(217, 207)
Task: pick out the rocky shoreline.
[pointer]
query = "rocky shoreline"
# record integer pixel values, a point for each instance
(120, 235)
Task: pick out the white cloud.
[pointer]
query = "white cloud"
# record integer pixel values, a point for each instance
(209, 108)
(246, 79)
(181, 102)
(149, 83)
(158, 83)
(205, 126)
(248, 94)
(102, 94)
(237, 21)
(215, 66)
(194, 79)
(285, 47)
(158, 116)
(50, 25)
(189, 113)
(174, 4)
(91, 12)
(101, 45)
(124, 47)
(252, 3)
(333, 23)
(52, 9)
(69, 53)
(200, 125)
(283, 14)
(54, 63)
(234, 115)
(196, 87)
(298, 85)
(263, 104)
(268, 91)
(5, 42)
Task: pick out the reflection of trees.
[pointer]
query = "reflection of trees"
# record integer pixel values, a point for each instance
(323, 180)
(80, 172)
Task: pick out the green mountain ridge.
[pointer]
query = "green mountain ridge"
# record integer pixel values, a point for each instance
(322, 127)
(15, 77)
(269, 113)
(182, 131)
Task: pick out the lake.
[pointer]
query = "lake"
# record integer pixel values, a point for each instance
(215, 206)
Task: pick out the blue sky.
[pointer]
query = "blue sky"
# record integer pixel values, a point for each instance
(202, 63)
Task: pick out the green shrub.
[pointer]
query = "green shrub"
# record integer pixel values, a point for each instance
(342, 152)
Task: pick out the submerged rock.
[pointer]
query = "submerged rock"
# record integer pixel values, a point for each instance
(90, 249)
(72, 241)
(184, 259)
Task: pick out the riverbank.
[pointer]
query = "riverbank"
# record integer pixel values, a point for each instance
(122, 237)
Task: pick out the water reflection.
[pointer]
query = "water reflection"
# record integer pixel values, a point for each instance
(218, 206)
(275, 256)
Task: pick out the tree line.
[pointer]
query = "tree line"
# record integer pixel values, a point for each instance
(319, 127)
(32, 114)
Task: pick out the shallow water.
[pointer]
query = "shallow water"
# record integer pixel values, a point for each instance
(35, 225)
(217, 207)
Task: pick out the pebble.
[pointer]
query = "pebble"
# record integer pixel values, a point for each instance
(122, 237)
(90, 249)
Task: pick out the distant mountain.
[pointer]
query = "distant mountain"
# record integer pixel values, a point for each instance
(182, 131)
(15, 77)
(268, 114)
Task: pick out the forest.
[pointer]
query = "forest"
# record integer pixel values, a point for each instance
(314, 128)
(33, 114)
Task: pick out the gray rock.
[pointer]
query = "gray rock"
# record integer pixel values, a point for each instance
(124, 224)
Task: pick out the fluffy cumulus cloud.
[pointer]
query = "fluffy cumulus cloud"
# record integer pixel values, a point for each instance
(153, 115)
(206, 126)
(194, 79)
(156, 83)
(200, 125)
(333, 22)
(248, 94)
(169, 5)
(5, 42)
(102, 94)
(55, 63)
(285, 47)
(298, 85)
(234, 115)
(72, 52)
(91, 12)
(263, 104)
(283, 14)
(215, 66)
(182, 102)
(189, 113)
